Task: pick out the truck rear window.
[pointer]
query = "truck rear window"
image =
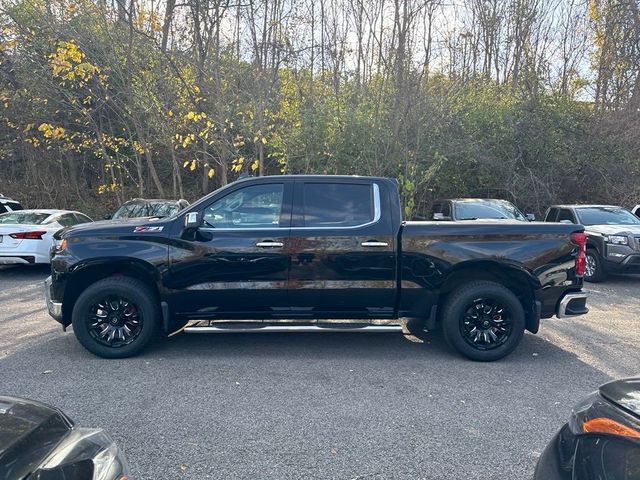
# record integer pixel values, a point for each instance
(337, 204)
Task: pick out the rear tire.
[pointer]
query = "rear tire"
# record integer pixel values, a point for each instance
(594, 271)
(483, 320)
(116, 317)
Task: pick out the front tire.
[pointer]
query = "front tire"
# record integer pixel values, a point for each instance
(594, 268)
(116, 317)
(483, 320)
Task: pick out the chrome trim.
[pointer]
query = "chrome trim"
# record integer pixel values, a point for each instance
(270, 244)
(374, 244)
(562, 307)
(54, 308)
(377, 214)
(295, 328)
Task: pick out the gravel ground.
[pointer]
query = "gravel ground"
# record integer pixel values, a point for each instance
(328, 406)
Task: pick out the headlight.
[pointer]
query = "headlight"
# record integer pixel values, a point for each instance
(85, 454)
(596, 415)
(616, 239)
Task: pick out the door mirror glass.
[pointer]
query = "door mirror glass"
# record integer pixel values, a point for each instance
(192, 220)
(566, 221)
(531, 217)
(440, 216)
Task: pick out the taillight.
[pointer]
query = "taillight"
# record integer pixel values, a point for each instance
(28, 235)
(580, 239)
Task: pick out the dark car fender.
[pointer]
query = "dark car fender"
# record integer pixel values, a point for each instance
(514, 275)
(86, 272)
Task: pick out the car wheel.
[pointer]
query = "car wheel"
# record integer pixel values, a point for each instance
(594, 269)
(116, 317)
(483, 320)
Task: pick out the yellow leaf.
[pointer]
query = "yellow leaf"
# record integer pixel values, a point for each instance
(170, 113)
(263, 140)
(193, 165)
(254, 165)
(211, 173)
(185, 163)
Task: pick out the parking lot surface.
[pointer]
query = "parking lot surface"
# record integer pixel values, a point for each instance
(325, 405)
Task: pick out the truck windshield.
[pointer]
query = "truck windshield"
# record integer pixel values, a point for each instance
(487, 209)
(606, 216)
(147, 209)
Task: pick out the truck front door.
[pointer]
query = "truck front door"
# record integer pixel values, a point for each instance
(237, 264)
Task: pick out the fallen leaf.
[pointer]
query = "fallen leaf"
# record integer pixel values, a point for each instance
(184, 467)
(47, 372)
(334, 451)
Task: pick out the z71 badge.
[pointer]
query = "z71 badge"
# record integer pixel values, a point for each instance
(147, 229)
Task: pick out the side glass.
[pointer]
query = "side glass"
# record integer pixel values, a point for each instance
(256, 206)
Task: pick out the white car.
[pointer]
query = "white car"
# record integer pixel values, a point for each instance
(26, 236)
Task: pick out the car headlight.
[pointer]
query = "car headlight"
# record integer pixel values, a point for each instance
(616, 239)
(596, 415)
(85, 454)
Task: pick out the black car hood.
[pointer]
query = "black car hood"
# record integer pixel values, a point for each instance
(624, 392)
(29, 431)
(614, 229)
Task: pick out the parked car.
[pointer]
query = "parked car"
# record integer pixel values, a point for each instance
(9, 205)
(459, 209)
(144, 207)
(613, 243)
(26, 236)
(313, 249)
(39, 442)
(601, 440)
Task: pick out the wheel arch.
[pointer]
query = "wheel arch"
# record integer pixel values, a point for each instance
(87, 273)
(512, 276)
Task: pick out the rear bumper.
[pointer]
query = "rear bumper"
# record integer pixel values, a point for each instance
(54, 308)
(572, 305)
(21, 259)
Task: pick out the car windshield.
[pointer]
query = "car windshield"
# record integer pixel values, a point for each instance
(29, 218)
(606, 216)
(147, 209)
(487, 209)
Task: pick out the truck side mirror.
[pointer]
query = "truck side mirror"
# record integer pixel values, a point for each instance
(192, 220)
(107, 216)
(531, 217)
(440, 216)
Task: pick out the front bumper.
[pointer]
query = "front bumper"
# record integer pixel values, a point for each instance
(549, 464)
(54, 308)
(572, 304)
(628, 264)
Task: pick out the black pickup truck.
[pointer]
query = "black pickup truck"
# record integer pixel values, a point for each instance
(313, 251)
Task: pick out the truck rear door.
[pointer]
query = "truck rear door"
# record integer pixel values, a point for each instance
(342, 248)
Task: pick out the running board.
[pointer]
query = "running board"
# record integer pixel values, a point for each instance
(295, 328)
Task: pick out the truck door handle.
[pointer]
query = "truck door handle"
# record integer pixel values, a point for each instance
(269, 243)
(372, 243)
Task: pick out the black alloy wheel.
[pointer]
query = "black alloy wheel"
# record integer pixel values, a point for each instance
(486, 324)
(115, 321)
